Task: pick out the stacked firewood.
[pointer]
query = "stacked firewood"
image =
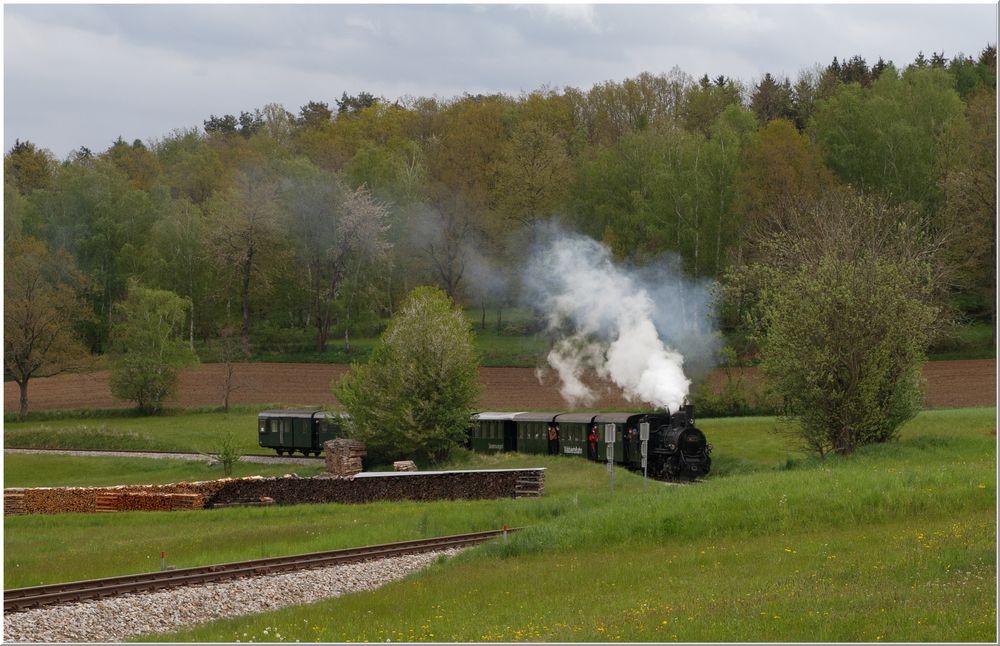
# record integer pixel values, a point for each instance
(287, 490)
(13, 503)
(371, 487)
(530, 484)
(54, 500)
(110, 501)
(404, 465)
(344, 457)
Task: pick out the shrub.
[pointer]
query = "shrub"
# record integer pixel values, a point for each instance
(845, 308)
(147, 347)
(414, 397)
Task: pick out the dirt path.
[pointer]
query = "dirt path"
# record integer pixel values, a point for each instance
(950, 384)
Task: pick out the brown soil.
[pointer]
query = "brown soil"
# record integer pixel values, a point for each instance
(950, 384)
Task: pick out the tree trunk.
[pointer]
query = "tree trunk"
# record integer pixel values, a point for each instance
(191, 327)
(323, 327)
(245, 327)
(23, 387)
(499, 319)
(482, 324)
(228, 388)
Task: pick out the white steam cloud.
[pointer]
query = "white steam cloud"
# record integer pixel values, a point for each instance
(629, 326)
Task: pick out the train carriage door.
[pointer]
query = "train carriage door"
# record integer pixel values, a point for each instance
(509, 436)
(552, 434)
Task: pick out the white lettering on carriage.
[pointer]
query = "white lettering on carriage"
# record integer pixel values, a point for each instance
(573, 450)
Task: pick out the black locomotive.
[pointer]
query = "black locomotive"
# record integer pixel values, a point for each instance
(677, 449)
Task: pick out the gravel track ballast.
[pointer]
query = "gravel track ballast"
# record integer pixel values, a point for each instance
(117, 618)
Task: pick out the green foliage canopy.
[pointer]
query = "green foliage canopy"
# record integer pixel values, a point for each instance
(414, 397)
(846, 310)
(41, 309)
(148, 348)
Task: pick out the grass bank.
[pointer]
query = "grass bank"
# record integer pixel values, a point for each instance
(894, 543)
(198, 431)
(890, 582)
(30, 470)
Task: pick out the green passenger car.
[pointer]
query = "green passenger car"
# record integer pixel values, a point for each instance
(493, 432)
(574, 428)
(533, 433)
(288, 431)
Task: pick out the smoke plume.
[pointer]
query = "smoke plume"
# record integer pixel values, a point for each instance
(631, 326)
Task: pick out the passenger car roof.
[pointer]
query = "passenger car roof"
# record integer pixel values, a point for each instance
(307, 414)
(494, 417)
(535, 417)
(615, 418)
(575, 418)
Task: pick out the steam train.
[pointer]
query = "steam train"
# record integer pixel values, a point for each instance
(677, 449)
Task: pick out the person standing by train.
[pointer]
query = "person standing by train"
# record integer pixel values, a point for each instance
(592, 444)
(553, 440)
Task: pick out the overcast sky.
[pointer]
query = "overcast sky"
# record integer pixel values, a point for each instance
(81, 75)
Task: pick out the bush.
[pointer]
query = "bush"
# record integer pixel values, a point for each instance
(147, 347)
(845, 308)
(414, 397)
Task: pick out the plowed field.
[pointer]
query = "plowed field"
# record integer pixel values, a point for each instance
(950, 384)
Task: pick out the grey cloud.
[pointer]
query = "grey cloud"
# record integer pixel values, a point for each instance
(83, 74)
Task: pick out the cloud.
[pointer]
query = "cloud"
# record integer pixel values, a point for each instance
(83, 74)
(576, 16)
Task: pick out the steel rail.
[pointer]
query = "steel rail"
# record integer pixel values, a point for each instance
(18, 599)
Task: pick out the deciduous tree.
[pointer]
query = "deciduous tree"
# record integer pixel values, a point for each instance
(244, 225)
(847, 306)
(148, 347)
(41, 308)
(414, 397)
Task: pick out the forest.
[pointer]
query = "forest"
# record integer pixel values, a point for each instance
(300, 229)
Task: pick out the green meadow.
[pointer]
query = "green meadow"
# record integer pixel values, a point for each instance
(895, 543)
(34, 470)
(177, 431)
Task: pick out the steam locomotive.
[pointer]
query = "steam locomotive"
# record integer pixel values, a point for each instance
(677, 449)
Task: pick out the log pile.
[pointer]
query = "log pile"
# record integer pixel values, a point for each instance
(13, 503)
(387, 486)
(286, 490)
(54, 500)
(530, 484)
(404, 465)
(344, 457)
(108, 501)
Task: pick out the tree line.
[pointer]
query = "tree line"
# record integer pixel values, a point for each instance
(316, 224)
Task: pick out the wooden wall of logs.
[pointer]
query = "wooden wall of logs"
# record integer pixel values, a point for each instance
(283, 490)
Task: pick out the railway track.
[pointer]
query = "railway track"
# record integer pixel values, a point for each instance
(18, 599)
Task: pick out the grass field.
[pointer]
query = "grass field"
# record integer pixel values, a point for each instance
(896, 543)
(178, 432)
(29, 470)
